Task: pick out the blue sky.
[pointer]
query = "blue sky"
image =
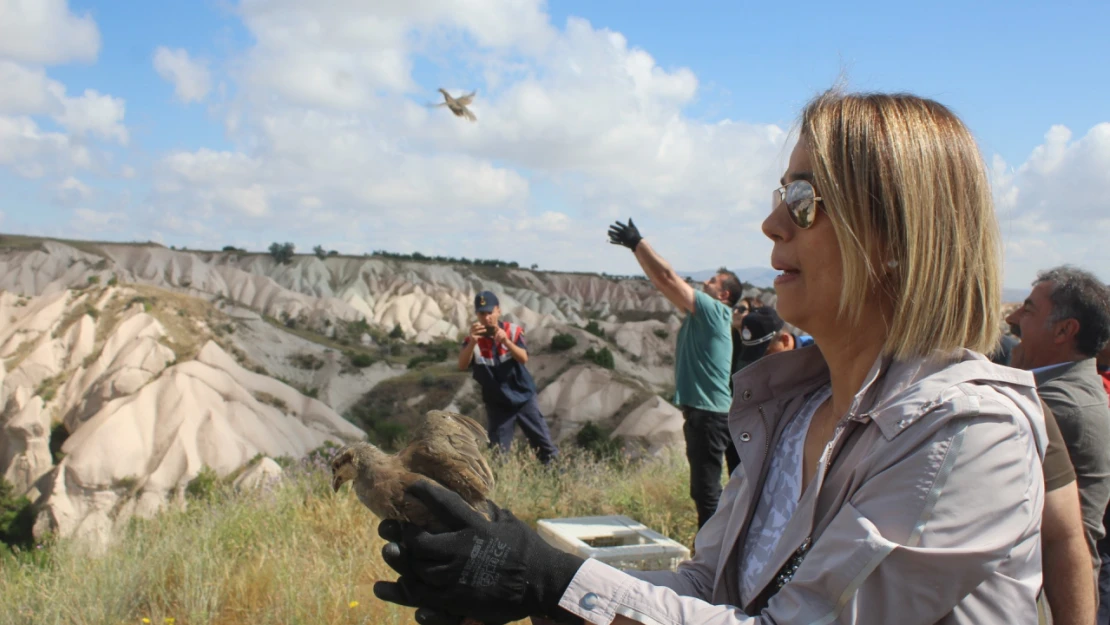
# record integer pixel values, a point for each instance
(308, 123)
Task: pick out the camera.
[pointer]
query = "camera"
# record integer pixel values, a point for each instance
(491, 331)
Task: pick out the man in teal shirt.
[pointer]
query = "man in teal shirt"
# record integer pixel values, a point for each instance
(702, 365)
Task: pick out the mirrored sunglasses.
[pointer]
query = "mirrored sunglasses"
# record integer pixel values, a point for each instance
(801, 202)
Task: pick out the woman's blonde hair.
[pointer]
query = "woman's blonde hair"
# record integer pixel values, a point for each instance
(906, 188)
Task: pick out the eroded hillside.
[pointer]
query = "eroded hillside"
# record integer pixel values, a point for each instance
(128, 368)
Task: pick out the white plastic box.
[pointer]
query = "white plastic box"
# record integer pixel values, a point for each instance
(615, 540)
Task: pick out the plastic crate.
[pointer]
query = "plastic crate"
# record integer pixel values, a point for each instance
(615, 540)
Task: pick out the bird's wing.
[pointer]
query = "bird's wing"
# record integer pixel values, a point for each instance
(466, 99)
(469, 115)
(450, 449)
(433, 105)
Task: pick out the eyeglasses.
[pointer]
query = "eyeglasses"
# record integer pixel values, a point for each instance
(801, 202)
(741, 310)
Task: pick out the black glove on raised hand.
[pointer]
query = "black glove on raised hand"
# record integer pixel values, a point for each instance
(626, 235)
(494, 571)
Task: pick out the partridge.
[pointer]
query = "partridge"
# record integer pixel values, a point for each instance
(447, 448)
(458, 105)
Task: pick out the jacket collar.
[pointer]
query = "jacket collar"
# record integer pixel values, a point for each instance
(894, 395)
(1067, 369)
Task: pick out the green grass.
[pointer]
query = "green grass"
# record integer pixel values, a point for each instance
(299, 553)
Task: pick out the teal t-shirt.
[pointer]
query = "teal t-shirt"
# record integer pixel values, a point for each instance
(704, 356)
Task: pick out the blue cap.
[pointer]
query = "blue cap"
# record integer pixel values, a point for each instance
(485, 302)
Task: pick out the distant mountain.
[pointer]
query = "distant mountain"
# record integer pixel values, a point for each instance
(763, 277)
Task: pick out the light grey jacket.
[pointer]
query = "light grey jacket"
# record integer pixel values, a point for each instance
(929, 512)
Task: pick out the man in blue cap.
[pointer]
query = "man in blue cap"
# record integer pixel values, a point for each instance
(496, 354)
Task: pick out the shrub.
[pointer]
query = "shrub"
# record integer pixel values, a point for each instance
(602, 357)
(397, 332)
(282, 252)
(48, 387)
(598, 441)
(94, 279)
(113, 281)
(661, 333)
(395, 349)
(320, 252)
(563, 342)
(269, 399)
(91, 311)
(594, 329)
(433, 354)
(305, 360)
(362, 360)
(16, 517)
(204, 485)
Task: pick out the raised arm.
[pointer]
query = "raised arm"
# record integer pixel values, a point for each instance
(658, 270)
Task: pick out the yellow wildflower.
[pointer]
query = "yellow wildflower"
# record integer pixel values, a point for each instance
(169, 620)
(352, 605)
(146, 621)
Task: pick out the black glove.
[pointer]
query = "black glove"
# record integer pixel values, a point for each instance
(494, 571)
(628, 236)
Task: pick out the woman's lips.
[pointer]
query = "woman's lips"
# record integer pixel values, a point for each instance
(787, 275)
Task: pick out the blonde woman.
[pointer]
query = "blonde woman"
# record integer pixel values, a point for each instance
(889, 474)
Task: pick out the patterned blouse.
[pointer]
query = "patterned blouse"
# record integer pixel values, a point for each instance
(780, 496)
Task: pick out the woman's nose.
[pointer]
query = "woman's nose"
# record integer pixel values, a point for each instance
(777, 225)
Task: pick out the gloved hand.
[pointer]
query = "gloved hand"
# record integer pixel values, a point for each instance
(494, 571)
(626, 235)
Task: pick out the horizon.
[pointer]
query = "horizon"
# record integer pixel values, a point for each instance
(249, 122)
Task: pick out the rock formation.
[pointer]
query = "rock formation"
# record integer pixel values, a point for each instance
(127, 369)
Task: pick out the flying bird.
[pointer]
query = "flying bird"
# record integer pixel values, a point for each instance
(458, 105)
(447, 448)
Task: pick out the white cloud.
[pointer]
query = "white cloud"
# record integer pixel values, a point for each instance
(45, 32)
(577, 126)
(72, 191)
(33, 153)
(26, 90)
(94, 114)
(251, 200)
(86, 218)
(548, 221)
(1052, 207)
(328, 114)
(338, 55)
(190, 78)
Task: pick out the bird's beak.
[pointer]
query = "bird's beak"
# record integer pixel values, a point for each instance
(336, 482)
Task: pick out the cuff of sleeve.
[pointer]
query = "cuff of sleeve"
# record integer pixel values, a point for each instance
(595, 591)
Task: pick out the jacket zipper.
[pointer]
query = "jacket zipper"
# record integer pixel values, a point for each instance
(730, 578)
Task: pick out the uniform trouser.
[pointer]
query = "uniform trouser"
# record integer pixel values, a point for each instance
(503, 421)
(707, 439)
